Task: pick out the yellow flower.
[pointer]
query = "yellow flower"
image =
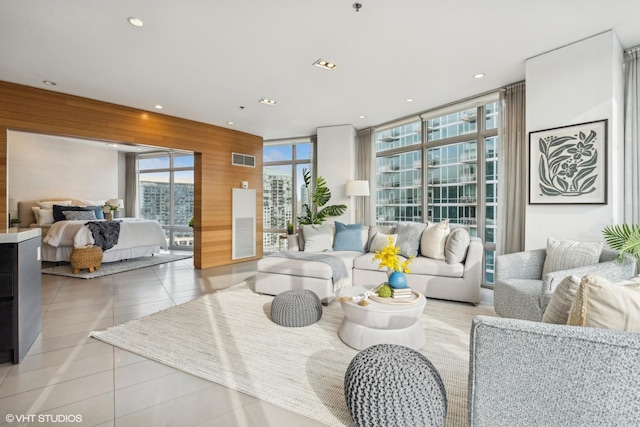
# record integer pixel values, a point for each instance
(389, 258)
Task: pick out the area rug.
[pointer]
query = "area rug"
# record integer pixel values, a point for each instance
(228, 337)
(115, 267)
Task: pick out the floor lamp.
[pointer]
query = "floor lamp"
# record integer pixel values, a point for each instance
(357, 188)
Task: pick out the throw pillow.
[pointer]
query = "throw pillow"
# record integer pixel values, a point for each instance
(36, 213)
(375, 229)
(409, 234)
(58, 210)
(317, 238)
(434, 239)
(560, 303)
(602, 304)
(45, 217)
(455, 249)
(79, 215)
(567, 254)
(348, 237)
(380, 240)
(49, 205)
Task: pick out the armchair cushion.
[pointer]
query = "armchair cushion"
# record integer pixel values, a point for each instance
(566, 254)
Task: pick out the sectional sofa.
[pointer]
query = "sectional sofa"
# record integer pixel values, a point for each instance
(447, 263)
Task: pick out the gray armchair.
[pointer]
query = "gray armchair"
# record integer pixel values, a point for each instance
(520, 291)
(524, 373)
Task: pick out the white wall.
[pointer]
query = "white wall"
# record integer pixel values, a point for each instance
(42, 166)
(336, 164)
(578, 83)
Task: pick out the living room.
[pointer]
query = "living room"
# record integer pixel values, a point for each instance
(578, 79)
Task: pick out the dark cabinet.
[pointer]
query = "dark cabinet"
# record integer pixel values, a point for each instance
(20, 298)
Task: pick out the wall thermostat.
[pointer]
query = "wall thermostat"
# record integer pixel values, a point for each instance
(245, 184)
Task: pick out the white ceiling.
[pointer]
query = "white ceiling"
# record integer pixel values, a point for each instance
(202, 60)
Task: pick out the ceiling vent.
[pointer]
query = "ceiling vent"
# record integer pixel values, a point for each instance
(238, 159)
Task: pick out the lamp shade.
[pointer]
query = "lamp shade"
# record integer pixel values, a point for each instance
(357, 188)
(116, 202)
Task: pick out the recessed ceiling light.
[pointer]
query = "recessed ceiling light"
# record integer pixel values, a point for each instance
(361, 117)
(230, 123)
(267, 101)
(409, 100)
(478, 76)
(327, 65)
(113, 145)
(158, 107)
(49, 82)
(136, 22)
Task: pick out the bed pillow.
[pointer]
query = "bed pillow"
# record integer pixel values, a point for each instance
(409, 234)
(380, 240)
(567, 254)
(45, 217)
(317, 238)
(58, 210)
(79, 215)
(86, 202)
(348, 237)
(49, 204)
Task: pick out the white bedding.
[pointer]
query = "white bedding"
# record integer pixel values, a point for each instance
(134, 232)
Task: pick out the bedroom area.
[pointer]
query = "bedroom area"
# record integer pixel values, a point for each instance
(58, 184)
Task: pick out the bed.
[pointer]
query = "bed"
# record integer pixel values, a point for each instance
(138, 237)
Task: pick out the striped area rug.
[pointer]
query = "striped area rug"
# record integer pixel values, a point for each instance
(228, 337)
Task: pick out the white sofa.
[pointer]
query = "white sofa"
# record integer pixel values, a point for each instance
(433, 278)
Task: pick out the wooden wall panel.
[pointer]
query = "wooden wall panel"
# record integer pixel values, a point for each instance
(29, 109)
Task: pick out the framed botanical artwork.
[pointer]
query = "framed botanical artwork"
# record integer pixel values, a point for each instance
(568, 165)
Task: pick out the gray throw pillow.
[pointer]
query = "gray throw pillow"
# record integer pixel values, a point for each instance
(79, 215)
(455, 250)
(409, 234)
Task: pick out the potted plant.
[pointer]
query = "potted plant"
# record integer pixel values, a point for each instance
(290, 228)
(624, 238)
(15, 222)
(317, 199)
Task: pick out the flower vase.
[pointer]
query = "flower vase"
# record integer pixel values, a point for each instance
(398, 280)
(109, 216)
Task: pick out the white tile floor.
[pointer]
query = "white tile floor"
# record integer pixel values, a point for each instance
(67, 374)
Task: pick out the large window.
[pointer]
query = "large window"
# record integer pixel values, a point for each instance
(282, 183)
(459, 175)
(166, 194)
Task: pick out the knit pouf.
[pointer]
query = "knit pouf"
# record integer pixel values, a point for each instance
(296, 308)
(393, 385)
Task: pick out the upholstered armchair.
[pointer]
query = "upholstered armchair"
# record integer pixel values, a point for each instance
(522, 292)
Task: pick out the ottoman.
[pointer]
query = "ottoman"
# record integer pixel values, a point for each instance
(90, 258)
(296, 308)
(393, 385)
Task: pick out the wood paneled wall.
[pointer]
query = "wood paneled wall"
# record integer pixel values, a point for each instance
(28, 109)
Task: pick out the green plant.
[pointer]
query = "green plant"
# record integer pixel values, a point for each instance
(15, 222)
(623, 238)
(317, 200)
(191, 221)
(289, 228)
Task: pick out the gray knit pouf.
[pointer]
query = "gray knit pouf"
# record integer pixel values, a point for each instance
(393, 385)
(296, 308)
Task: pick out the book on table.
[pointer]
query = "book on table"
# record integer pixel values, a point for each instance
(401, 293)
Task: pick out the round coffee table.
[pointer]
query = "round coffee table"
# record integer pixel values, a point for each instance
(381, 323)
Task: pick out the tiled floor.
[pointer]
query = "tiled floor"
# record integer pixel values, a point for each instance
(66, 374)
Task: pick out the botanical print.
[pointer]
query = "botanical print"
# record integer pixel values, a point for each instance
(568, 164)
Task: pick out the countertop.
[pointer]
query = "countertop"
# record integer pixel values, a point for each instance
(17, 235)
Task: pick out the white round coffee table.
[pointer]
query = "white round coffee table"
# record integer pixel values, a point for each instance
(381, 323)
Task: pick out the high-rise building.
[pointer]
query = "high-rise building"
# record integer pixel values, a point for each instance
(277, 202)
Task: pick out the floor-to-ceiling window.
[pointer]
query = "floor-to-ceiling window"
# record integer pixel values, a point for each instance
(165, 194)
(283, 163)
(459, 175)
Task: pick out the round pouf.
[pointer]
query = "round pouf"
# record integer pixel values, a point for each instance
(393, 385)
(296, 308)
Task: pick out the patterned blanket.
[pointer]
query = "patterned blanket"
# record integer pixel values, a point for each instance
(105, 233)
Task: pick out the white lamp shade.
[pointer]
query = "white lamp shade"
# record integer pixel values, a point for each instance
(116, 202)
(357, 188)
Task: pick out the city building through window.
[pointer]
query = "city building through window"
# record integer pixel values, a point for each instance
(165, 194)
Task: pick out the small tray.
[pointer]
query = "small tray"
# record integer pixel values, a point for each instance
(414, 296)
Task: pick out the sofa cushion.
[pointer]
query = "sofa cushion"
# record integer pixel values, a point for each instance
(560, 303)
(348, 237)
(567, 254)
(457, 245)
(375, 229)
(305, 268)
(434, 239)
(600, 303)
(435, 267)
(380, 240)
(409, 234)
(317, 238)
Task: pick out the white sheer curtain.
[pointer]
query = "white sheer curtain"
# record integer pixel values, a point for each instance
(512, 169)
(631, 136)
(363, 171)
(131, 185)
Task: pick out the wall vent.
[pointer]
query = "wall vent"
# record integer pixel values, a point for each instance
(238, 159)
(243, 242)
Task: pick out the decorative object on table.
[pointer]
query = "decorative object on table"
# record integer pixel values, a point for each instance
(317, 199)
(392, 385)
(15, 222)
(89, 258)
(296, 308)
(110, 208)
(624, 238)
(290, 228)
(401, 293)
(389, 257)
(568, 165)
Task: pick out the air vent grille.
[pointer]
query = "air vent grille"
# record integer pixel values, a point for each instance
(238, 159)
